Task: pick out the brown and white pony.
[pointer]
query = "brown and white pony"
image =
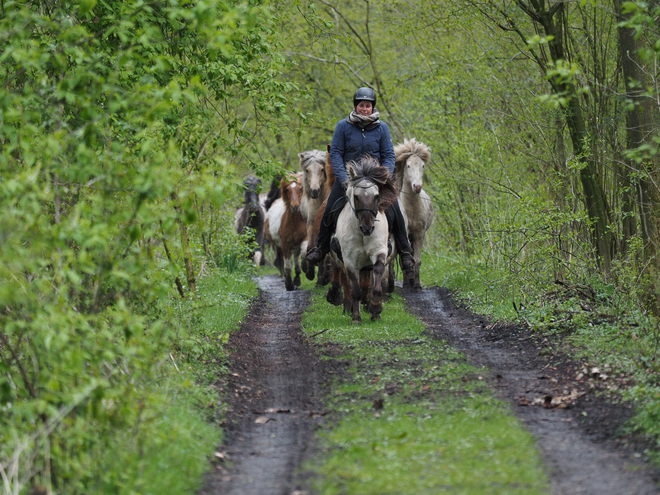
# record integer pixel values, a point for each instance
(286, 229)
(411, 157)
(252, 215)
(359, 245)
(315, 191)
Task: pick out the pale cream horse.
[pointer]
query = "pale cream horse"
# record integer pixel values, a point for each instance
(411, 158)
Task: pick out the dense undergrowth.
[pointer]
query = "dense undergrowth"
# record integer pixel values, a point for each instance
(411, 416)
(599, 321)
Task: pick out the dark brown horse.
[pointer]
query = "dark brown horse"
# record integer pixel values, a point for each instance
(252, 215)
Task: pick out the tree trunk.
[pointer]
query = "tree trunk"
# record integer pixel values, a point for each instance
(640, 126)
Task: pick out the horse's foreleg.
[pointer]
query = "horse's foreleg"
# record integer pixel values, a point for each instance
(288, 283)
(296, 260)
(417, 255)
(376, 303)
(355, 292)
(365, 282)
(391, 278)
(279, 260)
(334, 292)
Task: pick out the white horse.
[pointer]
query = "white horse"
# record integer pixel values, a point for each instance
(359, 245)
(411, 157)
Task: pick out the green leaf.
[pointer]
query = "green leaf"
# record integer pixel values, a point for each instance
(86, 6)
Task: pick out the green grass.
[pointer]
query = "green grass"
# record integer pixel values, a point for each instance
(167, 449)
(439, 430)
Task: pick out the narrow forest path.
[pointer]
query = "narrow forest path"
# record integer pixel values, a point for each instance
(276, 393)
(275, 390)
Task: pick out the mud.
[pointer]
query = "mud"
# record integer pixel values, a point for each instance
(274, 395)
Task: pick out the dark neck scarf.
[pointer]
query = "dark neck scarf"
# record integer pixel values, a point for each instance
(365, 122)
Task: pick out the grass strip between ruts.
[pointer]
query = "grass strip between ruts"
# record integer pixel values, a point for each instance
(411, 416)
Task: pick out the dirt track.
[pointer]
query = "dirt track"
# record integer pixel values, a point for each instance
(274, 393)
(276, 399)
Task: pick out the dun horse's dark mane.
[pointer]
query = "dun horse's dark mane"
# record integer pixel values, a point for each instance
(368, 168)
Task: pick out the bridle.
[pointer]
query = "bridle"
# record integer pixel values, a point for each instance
(356, 211)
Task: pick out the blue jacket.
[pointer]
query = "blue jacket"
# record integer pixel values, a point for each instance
(349, 142)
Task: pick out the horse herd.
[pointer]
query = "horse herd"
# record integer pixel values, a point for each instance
(361, 261)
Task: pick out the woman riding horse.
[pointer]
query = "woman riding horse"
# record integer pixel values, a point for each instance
(362, 133)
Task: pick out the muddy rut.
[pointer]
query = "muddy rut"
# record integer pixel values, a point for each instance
(275, 396)
(579, 456)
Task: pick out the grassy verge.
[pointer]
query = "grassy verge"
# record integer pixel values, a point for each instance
(411, 416)
(599, 324)
(168, 446)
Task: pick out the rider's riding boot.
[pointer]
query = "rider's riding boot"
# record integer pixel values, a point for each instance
(398, 229)
(315, 255)
(407, 261)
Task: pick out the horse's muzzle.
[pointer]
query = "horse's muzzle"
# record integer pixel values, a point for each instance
(314, 193)
(367, 230)
(417, 189)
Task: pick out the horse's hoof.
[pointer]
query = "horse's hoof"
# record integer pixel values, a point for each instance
(289, 285)
(356, 322)
(334, 296)
(375, 317)
(296, 281)
(309, 273)
(375, 310)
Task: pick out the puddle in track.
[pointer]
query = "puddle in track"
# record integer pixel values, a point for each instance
(578, 463)
(275, 387)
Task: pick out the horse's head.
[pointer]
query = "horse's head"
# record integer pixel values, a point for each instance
(251, 185)
(370, 190)
(411, 158)
(312, 164)
(292, 191)
(414, 173)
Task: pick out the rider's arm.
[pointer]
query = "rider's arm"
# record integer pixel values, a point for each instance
(337, 151)
(386, 148)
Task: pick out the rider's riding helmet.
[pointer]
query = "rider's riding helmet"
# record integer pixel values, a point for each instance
(364, 94)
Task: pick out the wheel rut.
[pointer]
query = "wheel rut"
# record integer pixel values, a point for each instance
(575, 442)
(274, 391)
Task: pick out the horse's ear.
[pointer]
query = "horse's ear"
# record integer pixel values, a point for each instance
(328, 148)
(351, 172)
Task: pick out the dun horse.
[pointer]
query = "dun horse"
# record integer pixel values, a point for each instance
(252, 215)
(359, 245)
(286, 229)
(411, 157)
(315, 191)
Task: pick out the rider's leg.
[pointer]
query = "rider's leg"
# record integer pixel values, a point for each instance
(328, 223)
(398, 229)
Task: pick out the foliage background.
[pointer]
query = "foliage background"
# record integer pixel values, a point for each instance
(127, 127)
